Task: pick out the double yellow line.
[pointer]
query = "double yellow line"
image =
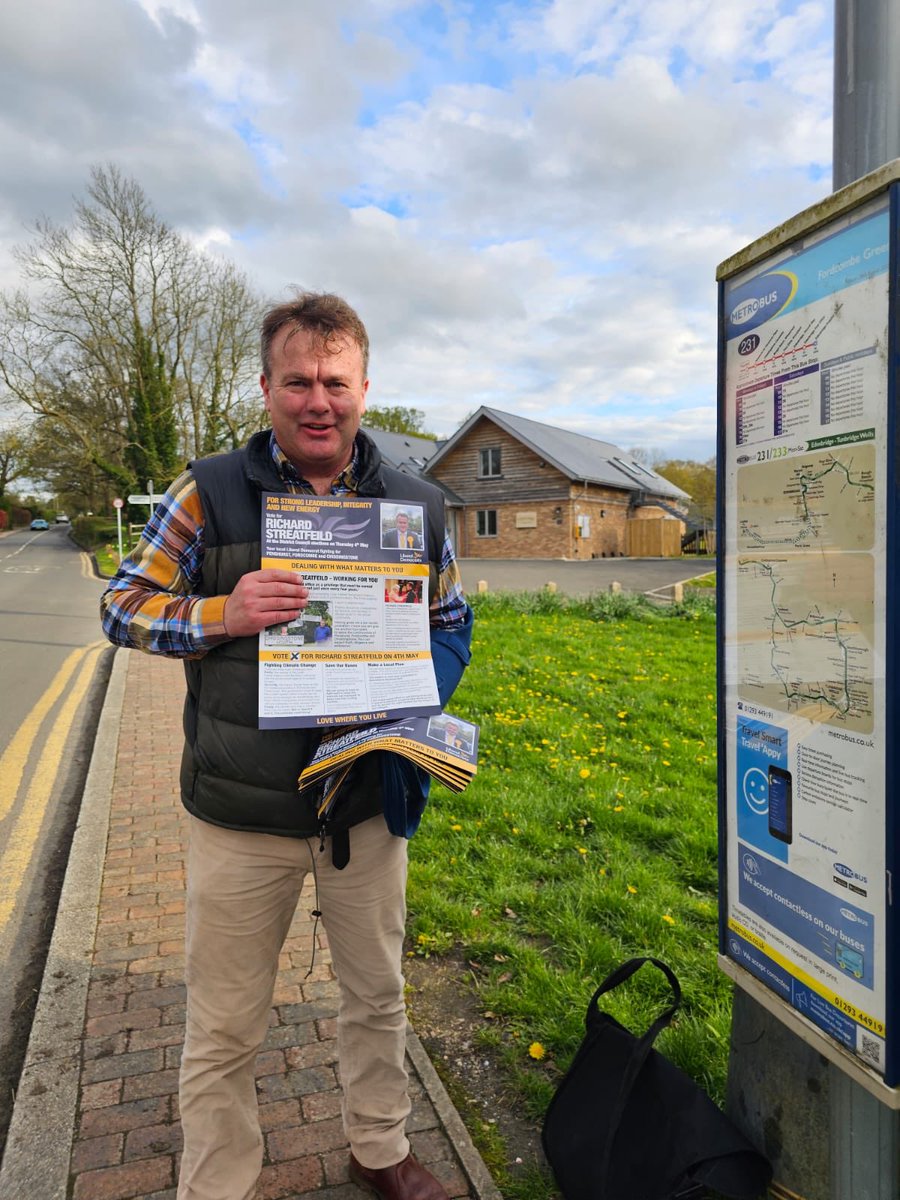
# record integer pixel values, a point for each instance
(24, 833)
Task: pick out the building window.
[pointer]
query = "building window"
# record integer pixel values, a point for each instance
(489, 462)
(486, 522)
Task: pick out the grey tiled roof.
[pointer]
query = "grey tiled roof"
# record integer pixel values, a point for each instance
(409, 454)
(402, 450)
(574, 454)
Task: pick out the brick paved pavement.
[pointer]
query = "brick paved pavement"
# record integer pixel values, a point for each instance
(126, 1138)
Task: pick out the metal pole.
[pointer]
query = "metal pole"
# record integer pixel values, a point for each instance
(864, 1146)
(119, 530)
(866, 87)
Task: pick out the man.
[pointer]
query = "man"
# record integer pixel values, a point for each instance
(323, 631)
(451, 735)
(401, 536)
(193, 589)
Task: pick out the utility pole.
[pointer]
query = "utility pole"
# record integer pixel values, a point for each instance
(866, 87)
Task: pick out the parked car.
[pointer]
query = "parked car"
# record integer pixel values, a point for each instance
(39, 523)
(62, 519)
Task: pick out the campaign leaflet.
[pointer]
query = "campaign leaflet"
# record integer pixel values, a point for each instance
(444, 746)
(361, 649)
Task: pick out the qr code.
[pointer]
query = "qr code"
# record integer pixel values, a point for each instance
(870, 1049)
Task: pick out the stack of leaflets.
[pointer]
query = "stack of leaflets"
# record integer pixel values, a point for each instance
(443, 745)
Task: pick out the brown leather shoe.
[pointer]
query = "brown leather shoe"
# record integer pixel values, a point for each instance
(407, 1180)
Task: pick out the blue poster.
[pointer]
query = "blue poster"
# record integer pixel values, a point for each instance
(759, 747)
(836, 931)
(847, 257)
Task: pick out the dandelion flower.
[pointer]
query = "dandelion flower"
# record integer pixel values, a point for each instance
(632, 889)
(668, 918)
(456, 828)
(536, 1051)
(584, 773)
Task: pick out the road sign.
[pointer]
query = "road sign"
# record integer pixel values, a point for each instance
(118, 502)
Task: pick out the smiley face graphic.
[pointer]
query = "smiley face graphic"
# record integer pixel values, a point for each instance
(756, 790)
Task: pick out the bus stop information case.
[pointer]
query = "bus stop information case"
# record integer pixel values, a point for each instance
(807, 520)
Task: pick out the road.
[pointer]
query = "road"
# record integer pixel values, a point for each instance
(53, 670)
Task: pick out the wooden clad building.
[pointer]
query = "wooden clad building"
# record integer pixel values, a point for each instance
(518, 488)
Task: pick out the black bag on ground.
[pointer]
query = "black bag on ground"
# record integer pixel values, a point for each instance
(625, 1124)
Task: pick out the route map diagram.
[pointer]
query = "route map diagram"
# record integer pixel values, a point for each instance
(805, 587)
(821, 501)
(807, 632)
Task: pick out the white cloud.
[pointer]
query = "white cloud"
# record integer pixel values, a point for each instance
(527, 210)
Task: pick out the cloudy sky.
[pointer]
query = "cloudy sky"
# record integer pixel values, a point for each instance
(526, 200)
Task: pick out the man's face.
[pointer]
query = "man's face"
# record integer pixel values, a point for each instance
(402, 522)
(315, 401)
(452, 731)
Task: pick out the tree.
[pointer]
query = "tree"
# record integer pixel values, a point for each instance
(152, 443)
(16, 458)
(699, 481)
(397, 419)
(220, 357)
(647, 456)
(62, 467)
(139, 349)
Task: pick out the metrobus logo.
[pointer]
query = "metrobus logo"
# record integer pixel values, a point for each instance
(761, 299)
(749, 308)
(848, 872)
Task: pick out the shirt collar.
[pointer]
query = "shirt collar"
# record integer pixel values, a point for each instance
(342, 483)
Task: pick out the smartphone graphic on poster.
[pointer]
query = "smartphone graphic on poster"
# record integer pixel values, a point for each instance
(849, 960)
(781, 815)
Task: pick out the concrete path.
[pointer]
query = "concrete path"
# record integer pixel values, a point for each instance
(96, 1114)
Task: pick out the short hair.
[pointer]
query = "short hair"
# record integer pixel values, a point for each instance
(326, 316)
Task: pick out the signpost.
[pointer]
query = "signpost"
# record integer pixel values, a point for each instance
(150, 498)
(117, 505)
(808, 527)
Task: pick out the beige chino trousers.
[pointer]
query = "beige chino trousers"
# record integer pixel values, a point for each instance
(242, 890)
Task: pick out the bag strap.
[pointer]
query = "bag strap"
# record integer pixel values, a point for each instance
(642, 1046)
(625, 971)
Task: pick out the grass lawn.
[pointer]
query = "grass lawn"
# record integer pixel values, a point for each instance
(588, 835)
(704, 581)
(107, 559)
